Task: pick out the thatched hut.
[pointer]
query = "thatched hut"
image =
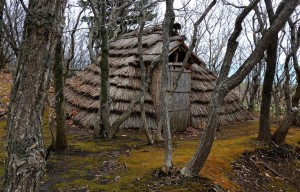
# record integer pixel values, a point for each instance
(189, 104)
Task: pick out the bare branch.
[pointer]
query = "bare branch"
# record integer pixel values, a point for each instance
(24, 6)
(72, 46)
(231, 4)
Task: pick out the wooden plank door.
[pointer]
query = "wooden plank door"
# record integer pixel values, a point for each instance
(179, 103)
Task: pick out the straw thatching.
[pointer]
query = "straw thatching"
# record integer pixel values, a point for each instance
(194, 91)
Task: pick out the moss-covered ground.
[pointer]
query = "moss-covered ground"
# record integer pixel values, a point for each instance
(128, 164)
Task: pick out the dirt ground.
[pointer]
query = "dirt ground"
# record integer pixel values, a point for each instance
(266, 169)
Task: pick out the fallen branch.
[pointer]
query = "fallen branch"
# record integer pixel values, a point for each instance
(3, 113)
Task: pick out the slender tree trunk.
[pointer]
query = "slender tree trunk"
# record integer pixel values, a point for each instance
(193, 167)
(287, 92)
(276, 98)
(58, 70)
(264, 133)
(2, 56)
(25, 163)
(159, 136)
(245, 94)
(101, 130)
(287, 95)
(104, 72)
(164, 84)
(254, 87)
(143, 84)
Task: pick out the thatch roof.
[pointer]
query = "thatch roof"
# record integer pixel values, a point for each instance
(82, 91)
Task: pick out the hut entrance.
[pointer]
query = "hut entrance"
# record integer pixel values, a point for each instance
(179, 103)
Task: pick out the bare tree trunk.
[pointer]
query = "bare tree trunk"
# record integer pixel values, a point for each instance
(281, 133)
(225, 84)
(71, 50)
(254, 87)
(103, 123)
(164, 84)
(245, 94)
(25, 163)
(2, 56)
(287, 92)
(276, 98)
(193, 167)
(264, 133)
(104, 73)
(159, 131)
(58, 70)
(143, 84)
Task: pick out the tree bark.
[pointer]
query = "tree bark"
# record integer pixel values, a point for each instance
(276, 98)
(287, 92)
(245, 94)
(103, 123)
(164, 84)
(2, 55)
(58, 70)
(25, 163)
(264, 134)
(104, 72)
(281, 133)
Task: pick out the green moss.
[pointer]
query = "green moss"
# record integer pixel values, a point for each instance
(5, 92)
(278, 185)
(293, 137)
(83, 184)
(91, 146)
(2, 127)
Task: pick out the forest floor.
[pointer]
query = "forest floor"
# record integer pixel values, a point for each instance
(237, 162)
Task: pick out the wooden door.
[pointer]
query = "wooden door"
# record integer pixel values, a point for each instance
(179, 102)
